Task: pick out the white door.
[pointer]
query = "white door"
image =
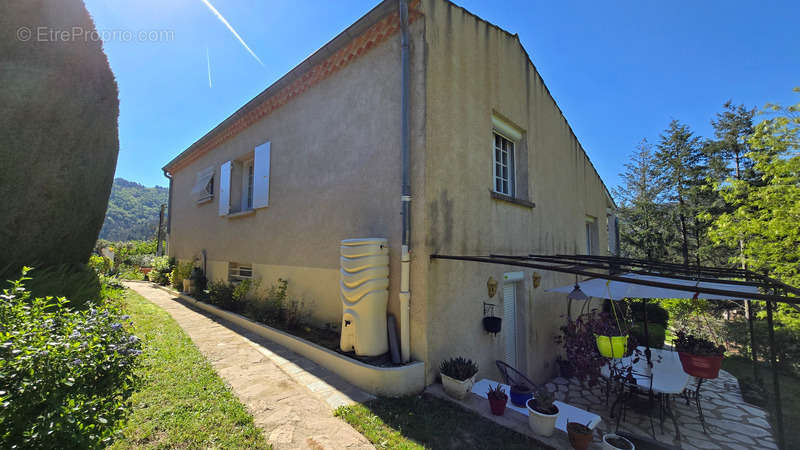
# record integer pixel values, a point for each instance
(510, 323)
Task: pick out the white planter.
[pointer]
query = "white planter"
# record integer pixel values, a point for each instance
(457, 388)
(607, 446)
(541, 424)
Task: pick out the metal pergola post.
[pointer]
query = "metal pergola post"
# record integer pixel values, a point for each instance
(775, 381)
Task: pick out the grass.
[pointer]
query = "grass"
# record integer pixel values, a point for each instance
(182, 402)
(742, 368)
(425, 421)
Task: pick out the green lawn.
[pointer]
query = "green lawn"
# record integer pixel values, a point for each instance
(182, 402)
(742, 368)
(425, 421)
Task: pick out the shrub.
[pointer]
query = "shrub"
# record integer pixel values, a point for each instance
(127, 272)
(655, 331)
(182, 270)
(458, 368)
(655, 313)
(77, 282)
(66, 375)
(100, 264)
(161, 270)
(220, 293)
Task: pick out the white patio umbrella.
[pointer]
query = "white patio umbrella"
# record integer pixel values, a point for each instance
(618, 290)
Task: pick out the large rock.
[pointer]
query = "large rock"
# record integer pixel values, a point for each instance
(58, 133)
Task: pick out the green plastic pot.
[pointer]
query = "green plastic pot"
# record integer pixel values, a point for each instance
(612, 346)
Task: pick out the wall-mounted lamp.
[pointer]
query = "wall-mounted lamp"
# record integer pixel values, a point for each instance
(537, 280)
(492, 287)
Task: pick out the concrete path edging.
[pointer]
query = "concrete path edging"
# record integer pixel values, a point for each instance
(383, 381)
(290, 397)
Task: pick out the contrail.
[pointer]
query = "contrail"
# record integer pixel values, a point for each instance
(208, 61)
(225, 22)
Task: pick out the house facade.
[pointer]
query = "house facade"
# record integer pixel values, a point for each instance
(317, 158)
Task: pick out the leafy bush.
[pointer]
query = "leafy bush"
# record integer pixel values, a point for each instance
(655, 313)
(66, 375)
(161, 270)
(77, 282)
(100, 264)
(458, 368)
(127, 272)
(182, 270)
(220, 293)
(143, 260)
(655, 331)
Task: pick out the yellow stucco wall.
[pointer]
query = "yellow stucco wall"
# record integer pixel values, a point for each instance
(475, 70)
(335, 174)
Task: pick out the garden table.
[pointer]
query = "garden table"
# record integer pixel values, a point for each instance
(665, 379)
(566, 412)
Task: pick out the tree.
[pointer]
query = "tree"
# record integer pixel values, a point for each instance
(640, 211)
(765, 214)
(679, 159)
(59, 140)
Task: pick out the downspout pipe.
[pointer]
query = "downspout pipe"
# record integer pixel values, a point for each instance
(169, 209)
(405, 198)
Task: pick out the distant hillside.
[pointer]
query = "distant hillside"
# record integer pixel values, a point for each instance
(132, 211)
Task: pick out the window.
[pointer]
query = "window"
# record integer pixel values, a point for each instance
(592, 237)
(244, 183)
(239, 272)
(503, 165)
(203, 190)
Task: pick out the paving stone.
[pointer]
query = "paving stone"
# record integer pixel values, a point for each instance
(757, 421)
(551, 387)
(290, 397)
(560, 380)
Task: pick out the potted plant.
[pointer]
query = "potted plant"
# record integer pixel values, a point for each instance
(497, 400)
(580, 435)
(700, 357)
(611, 343)
(542, 413)
(458, 376)
(613, 441)
(579, 341)
(520, 394)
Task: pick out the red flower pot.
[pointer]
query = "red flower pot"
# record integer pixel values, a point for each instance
(701, 366)
(498, 405)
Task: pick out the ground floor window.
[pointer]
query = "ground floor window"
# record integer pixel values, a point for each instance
(239, 272)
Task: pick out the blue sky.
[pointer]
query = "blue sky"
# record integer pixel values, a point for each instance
(620, 70)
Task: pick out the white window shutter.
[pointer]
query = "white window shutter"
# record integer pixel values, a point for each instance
(261, 176)
(225, 188)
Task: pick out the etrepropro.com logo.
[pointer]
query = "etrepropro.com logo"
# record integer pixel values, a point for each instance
(73, 34)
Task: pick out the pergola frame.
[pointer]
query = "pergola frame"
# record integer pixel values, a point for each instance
(614, 268)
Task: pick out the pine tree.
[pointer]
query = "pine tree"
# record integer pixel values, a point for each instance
(640, 211)
(680, 160)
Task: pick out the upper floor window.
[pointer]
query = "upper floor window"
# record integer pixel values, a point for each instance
(244, 183)
(203, 189)
(503, 165)
(592, 238)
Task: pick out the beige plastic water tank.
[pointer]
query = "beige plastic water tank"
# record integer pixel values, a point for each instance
(364, 292)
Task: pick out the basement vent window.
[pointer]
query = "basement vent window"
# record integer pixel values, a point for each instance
(239, 272)
(203, 190)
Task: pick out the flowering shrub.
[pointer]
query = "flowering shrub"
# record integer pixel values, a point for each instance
(100, 264)
(65, 375)
(161, 270)
(182, 270)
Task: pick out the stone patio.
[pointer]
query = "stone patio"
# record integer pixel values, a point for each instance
(732, 423)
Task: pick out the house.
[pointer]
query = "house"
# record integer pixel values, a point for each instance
(318, 157)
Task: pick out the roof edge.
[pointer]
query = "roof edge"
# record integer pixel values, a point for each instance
(375, 15)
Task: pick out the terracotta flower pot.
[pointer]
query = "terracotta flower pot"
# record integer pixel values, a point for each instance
(580, 436)
(498, 405)
(701, 366)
